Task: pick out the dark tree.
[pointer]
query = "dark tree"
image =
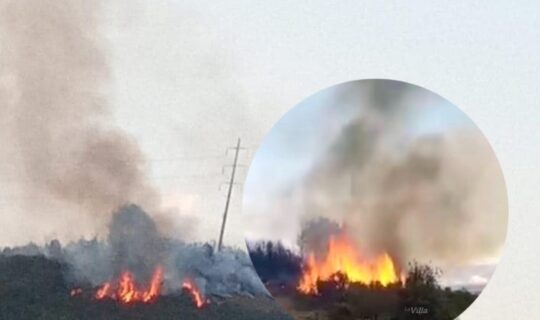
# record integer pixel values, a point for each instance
(275, 263)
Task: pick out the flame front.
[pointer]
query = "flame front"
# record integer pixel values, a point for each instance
(127, 290)
(195, 293)
(342, 257)
(155, 286)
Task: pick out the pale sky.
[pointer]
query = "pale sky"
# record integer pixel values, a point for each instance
(190, 77)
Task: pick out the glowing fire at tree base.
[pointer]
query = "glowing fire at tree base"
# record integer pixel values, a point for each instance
(126, 291)
(343, 258)
(195, 293)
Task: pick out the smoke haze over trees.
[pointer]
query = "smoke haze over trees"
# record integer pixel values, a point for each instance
(134, 244)
(395, 166)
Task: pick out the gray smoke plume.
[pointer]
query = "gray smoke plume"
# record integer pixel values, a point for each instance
(316, 234)
(61, 157)
(134, 244)
(437, 196)
(67, 169)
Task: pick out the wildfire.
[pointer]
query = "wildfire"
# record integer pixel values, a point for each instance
(343, 258)
(126, 290)
(195, 293)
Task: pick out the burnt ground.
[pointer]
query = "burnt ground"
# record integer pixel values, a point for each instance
(366, 307)
(35, 288)
(360, 302)
(179, 307)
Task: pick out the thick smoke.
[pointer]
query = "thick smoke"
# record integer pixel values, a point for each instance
(134, 244)
(68, 169)
(61, 158)
(316, 234)
(433, 196)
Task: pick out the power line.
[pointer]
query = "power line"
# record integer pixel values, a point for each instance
(229, 193)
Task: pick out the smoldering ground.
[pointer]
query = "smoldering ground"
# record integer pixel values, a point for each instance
(434, 195)
(134, 243)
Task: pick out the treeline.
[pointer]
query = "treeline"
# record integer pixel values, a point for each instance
(274, 262)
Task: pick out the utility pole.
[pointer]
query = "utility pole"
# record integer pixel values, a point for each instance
(229, 193)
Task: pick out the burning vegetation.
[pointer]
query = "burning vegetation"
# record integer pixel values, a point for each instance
(333, 279)
(342, 259)
(126, 290)
(192, 289)
(381, 177)
(135, 273)
(36, 287)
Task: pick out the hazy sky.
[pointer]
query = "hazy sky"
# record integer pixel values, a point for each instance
(189, 77)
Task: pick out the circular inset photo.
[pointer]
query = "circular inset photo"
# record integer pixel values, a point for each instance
(375, 199)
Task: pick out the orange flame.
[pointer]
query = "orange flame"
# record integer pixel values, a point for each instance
(195, 293)
(103, 291)
(343, 257)
(155, 286)
(127, 291)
